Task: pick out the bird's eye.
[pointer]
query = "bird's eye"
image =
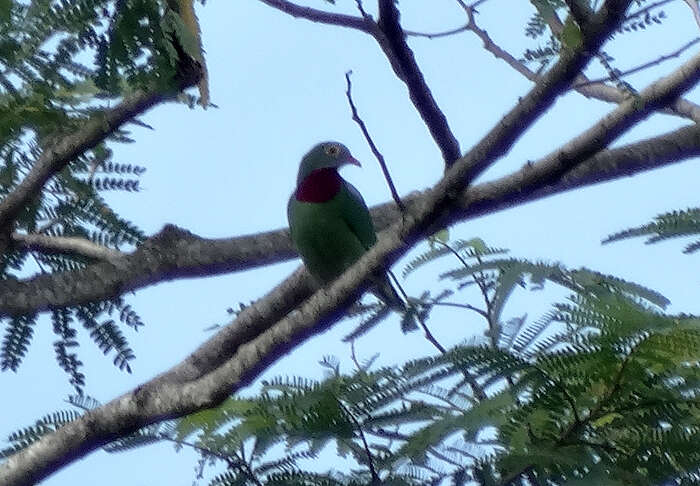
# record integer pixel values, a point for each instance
(332, 150)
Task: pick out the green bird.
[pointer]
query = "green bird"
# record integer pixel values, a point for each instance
(329, 221)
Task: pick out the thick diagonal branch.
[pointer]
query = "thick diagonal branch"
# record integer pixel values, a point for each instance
(175, 253)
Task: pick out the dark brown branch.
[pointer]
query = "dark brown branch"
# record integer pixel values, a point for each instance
(320, 16)
(372, 146)
(580, 12)
(392, 40)
(376, 480)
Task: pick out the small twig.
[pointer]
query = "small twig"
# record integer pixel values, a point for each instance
(321, 16)
(481, 312)
(375, 151)
(476, 388)
(353, 356)
(362, 10)
(370, 460)
(436, 35)
(641, 67)
(69, 245)
(644, 10)
(38, 262)
(396, 435)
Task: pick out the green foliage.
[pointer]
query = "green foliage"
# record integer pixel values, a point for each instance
(599, 387)
(550, 13)
(676, 224)
(602, 389)
(18, 335)
(63, 63)
(22, 438)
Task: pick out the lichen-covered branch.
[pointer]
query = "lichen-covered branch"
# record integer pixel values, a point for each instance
(172, 253)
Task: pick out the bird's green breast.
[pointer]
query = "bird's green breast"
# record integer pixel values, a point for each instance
(330, 236)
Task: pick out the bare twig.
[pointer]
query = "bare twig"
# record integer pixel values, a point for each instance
(67, 245)
(643, 11)
(391, 39)
(468, 377)
(372, 145)
(321, 16)
(376, 481)
(641, 67)
(470, 307)
(362, 10)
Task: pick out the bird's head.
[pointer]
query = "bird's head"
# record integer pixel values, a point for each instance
(325, 155)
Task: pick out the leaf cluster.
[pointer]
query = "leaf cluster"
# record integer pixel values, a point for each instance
(62, 64)
(674, 224)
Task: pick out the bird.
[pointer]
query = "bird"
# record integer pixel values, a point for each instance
(329, 222)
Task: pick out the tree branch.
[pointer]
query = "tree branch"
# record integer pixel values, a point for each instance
(56, 156)
(589, 89)
(542, 96)
(693, 4)
(163, 398)
(392, 40)
(641, 67)
(320, 16)
(377, 154)
(175, 253)
(67, 245)
(580, 11)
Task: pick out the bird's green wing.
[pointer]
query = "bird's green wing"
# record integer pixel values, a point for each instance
(356, 215)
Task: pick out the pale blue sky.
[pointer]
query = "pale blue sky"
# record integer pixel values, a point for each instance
(279, 84)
